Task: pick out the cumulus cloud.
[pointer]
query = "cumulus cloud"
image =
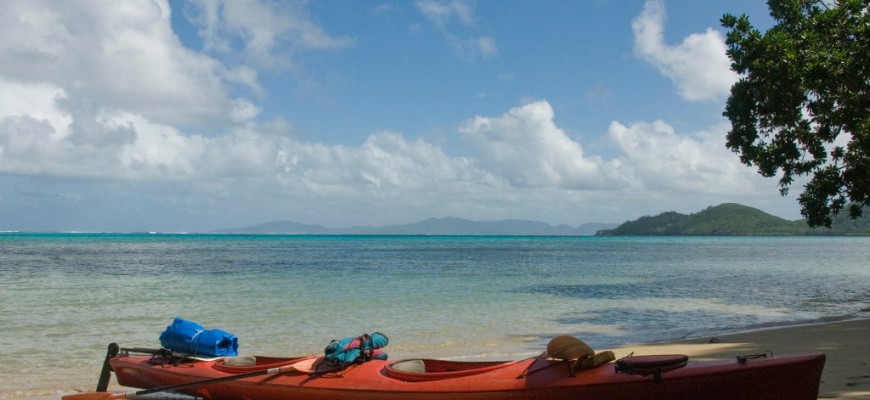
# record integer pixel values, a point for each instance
(127, 57)
(124, 57)
(35, 100)
(526, 147)
(698, 67)
(386, 164)
(655, 158)
(88, 90)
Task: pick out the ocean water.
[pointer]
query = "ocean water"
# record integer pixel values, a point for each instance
(65, 297)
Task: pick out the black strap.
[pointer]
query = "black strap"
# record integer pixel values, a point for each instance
(366, 348)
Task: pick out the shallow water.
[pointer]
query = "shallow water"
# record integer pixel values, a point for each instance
(64, 297)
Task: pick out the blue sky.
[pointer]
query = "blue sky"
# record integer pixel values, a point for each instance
(200, 115)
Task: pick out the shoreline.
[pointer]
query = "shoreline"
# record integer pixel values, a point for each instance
(847, 369)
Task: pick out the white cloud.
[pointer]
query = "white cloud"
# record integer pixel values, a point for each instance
(441, 12)
(35, 100)
(245, 76)
(95, 91)
(526, 147)
(657, 159)
(386, 165)
(243, 111)
(467, 47)
(266, 33)
(699, 66)
(156, 152)
(126, 58)
(121, 57)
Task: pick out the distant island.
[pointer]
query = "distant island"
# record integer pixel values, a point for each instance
(732, 219)
(433, 226)
(729, 219)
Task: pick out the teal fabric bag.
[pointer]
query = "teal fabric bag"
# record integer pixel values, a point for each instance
(340, 353)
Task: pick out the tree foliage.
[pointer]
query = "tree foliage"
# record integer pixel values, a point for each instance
(802, 105)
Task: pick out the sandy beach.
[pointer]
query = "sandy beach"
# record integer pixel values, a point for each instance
(845, 343)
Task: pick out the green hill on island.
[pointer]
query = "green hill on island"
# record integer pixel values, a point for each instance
(732, 219)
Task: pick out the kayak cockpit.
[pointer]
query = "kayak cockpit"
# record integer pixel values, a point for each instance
(424, 369)
(234, 366)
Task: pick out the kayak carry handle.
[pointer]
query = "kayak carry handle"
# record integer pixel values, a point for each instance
(743, 359)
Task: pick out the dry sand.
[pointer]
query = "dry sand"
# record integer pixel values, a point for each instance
(845, 343)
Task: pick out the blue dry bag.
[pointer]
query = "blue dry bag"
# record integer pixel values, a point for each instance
(189, 337)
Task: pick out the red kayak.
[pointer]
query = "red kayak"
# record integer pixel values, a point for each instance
(767, 377)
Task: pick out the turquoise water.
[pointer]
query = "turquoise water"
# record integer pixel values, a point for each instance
(64, 297)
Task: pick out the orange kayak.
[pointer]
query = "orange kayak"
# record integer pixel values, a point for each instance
(792, 377)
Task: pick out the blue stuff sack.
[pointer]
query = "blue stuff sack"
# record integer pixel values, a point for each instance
(340, 353)
(190, 337)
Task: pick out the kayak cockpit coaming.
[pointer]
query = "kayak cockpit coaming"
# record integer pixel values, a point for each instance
(256, 363)
(427, 369)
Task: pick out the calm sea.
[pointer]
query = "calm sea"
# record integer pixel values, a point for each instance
(65, 297)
